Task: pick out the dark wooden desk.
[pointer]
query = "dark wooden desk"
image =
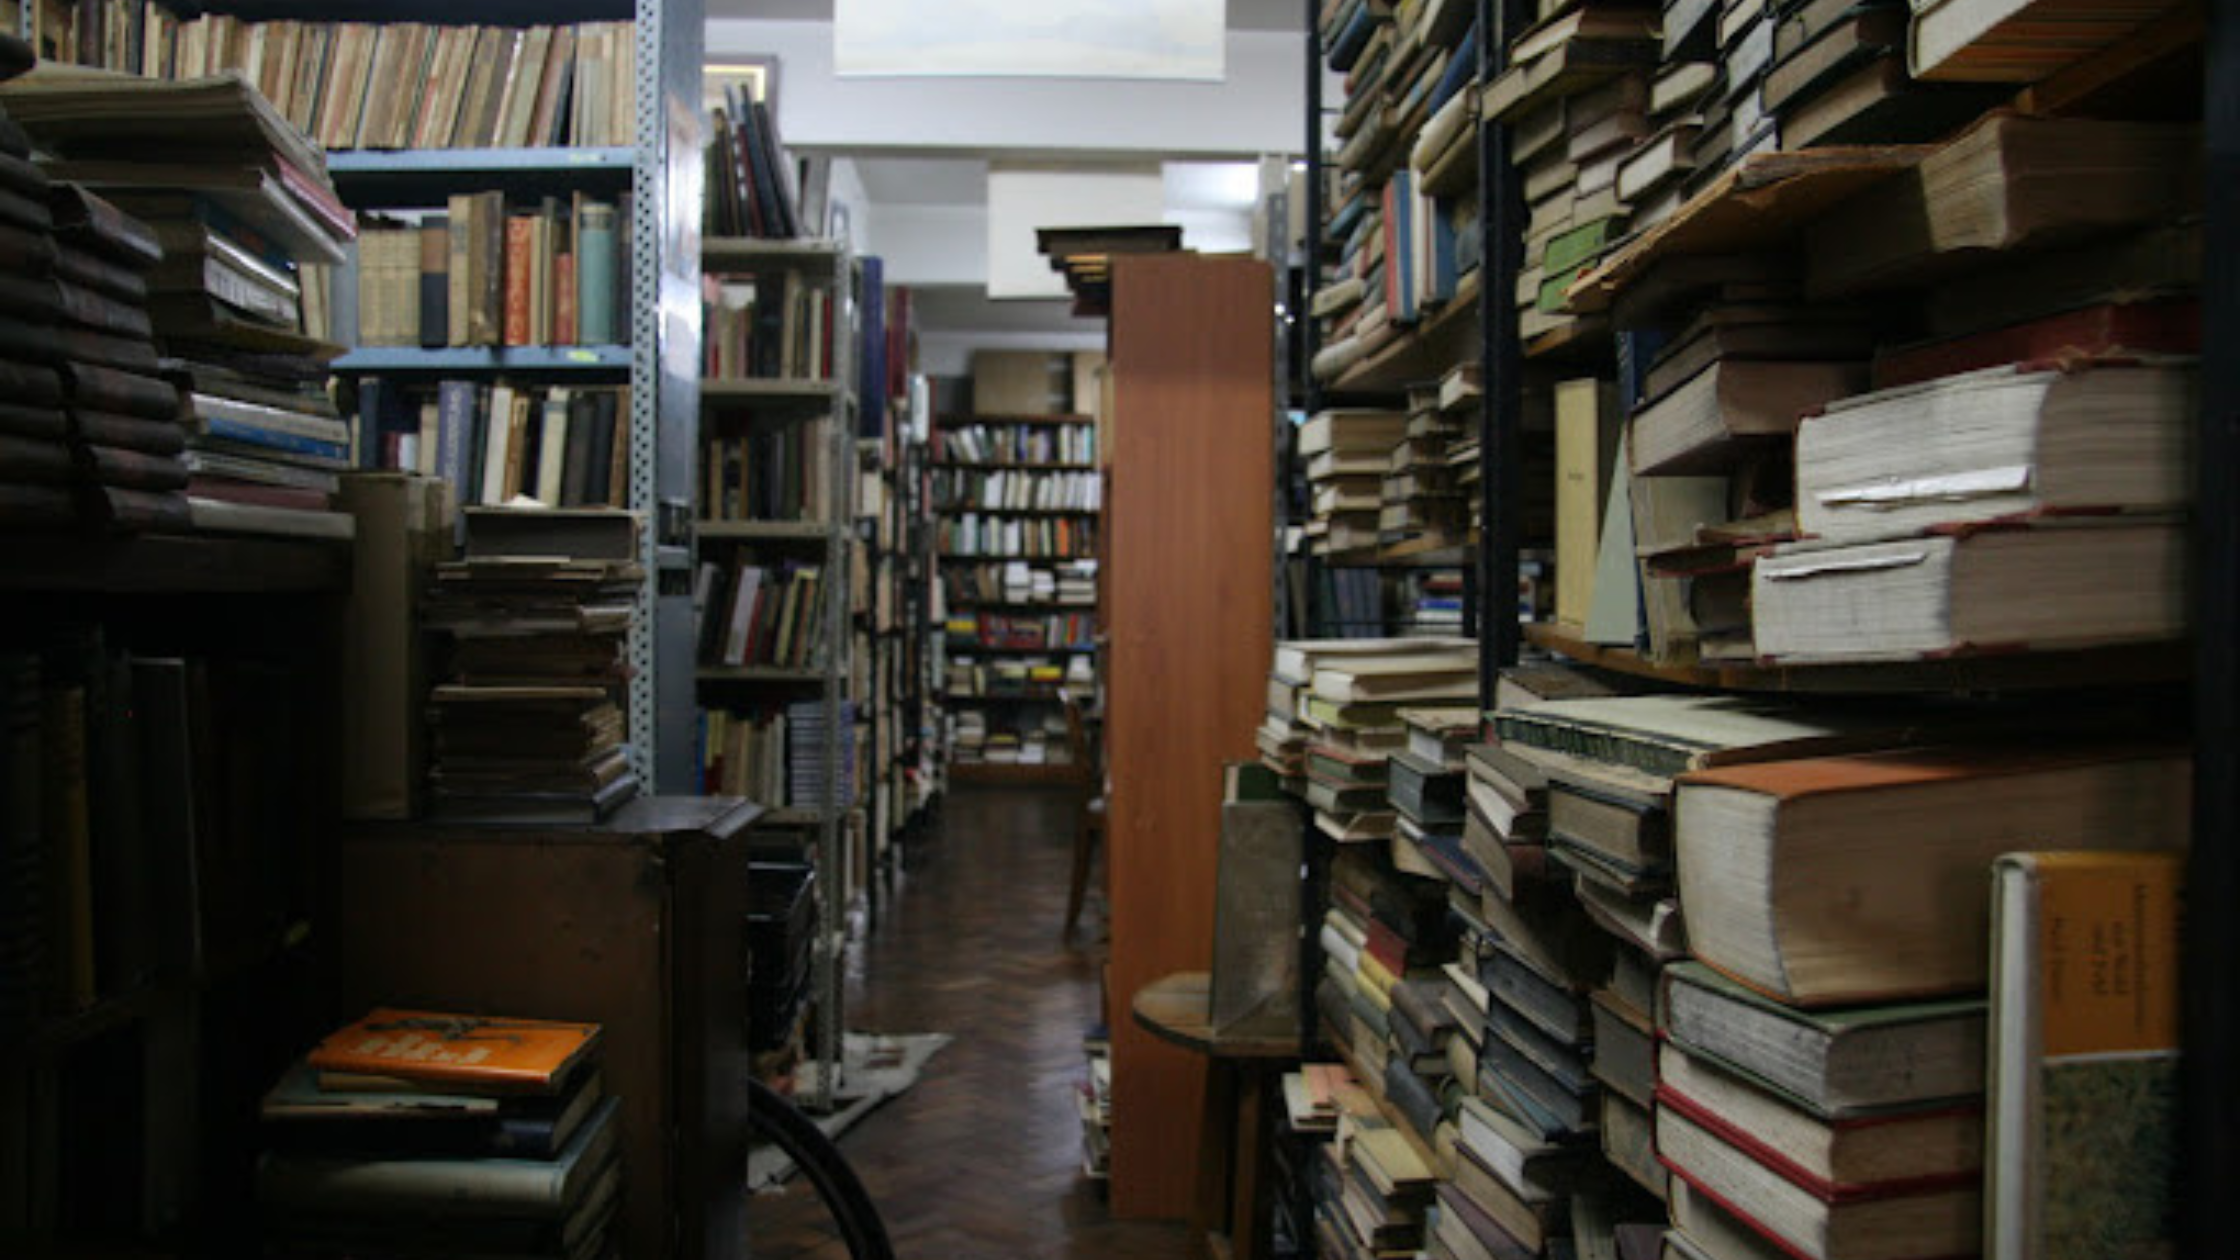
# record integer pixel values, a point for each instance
(1230, 1213)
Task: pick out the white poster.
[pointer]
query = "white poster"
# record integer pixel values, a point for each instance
(1108, 39)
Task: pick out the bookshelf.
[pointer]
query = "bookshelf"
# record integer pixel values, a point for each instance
(2156, 74)
(171, 974)
(1017, 501)
(776, 488)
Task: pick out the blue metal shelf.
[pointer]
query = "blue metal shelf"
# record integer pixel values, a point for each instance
(406, 178)
(477, 360)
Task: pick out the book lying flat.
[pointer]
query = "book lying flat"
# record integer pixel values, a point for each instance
(486, 1188)
(2046, 587)
(1860, 878)
(2012, 441)
(462, 1052)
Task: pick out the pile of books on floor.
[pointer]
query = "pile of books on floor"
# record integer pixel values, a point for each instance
(527, 727)
(425, 1133)
(237, 198)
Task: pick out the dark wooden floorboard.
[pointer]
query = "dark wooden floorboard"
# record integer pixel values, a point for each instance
(983, 1157)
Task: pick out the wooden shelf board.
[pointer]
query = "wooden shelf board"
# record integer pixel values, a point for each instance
(1437, 344)
(171, 564)
(982, 649)
(2112, 666)
(1587, 338)
(949, 557)
(998, 605)
(1757, 202)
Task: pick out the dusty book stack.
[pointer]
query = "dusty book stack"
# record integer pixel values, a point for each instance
(527, 726)
(237, 199)
(416, 1132)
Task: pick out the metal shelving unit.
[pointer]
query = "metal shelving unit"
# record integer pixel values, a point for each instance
(2209, 1152)
(831, 403)
(663, 174)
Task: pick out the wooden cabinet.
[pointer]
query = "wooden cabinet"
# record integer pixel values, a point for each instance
(1187, 573)
(638, 924)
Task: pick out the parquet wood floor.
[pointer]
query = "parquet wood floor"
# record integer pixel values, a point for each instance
(982, 1159)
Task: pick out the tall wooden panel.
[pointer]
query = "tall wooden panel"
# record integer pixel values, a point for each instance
(1186, 569)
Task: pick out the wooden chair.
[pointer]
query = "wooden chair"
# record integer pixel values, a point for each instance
(1088, 818)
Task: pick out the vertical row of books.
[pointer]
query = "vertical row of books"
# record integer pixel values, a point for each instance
(153, 289)
(1015, 502)
(488, 272)
(412, 1130)
(373, 85)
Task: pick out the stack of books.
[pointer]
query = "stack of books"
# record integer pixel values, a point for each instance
(527, 727)
(1096, 1105)
(238, 198)
(1424, 782)
(91, 430)
(1422, 500)
(1576, 97)
(1407, 122)
(424, 1133)
(1334, 712)
(1345, 454)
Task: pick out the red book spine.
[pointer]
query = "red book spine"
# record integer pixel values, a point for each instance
(518, 257)
(564, 328)
(2109, 330)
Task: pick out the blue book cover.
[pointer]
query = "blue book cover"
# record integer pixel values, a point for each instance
(252, 435)
(455, 407)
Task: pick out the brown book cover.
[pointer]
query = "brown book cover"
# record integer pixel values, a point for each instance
(487, 296)
(519, 262)
(462, 1052)
(136, 470)
(42, 423)
(45, 462)
(126, 393)
(90, 271)
(136, 433)
(18, 175)
(25, 251)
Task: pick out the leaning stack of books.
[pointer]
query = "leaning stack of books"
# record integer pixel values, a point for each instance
(527, 727)
(238, 198)
(1424, 782)
(422, 1133)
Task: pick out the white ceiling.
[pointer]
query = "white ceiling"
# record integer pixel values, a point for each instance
(1244, 15)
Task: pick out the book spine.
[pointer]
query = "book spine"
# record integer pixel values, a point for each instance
(459, 292)
(435, 281)
(519, 256)
(454, 419)
(566, 330)
(595, 276)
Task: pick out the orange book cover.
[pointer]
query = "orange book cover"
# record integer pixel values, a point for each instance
(465, 1052)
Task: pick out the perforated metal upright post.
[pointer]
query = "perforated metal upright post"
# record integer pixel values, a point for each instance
(667, 194)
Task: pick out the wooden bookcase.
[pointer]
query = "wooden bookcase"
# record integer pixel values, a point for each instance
(185, 972)
(1187, 566)
(1056, 448)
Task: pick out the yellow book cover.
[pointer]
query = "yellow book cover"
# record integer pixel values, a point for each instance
(2084, 1048)
(463, 1052)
